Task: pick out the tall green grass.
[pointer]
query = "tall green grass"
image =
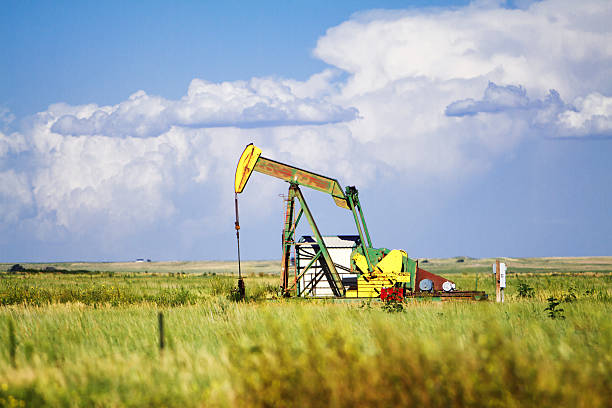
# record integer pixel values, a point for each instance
(121, 289)
(303, 353)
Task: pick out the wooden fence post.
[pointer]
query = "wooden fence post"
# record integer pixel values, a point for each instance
(12, 338)
(497, 281)
(500, 268)
(161, 331)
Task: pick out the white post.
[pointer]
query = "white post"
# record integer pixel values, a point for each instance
(502, 279)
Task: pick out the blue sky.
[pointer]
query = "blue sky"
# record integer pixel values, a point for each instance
(480, 129)
(55, 48)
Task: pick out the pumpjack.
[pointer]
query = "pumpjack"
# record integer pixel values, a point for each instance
(346, 266)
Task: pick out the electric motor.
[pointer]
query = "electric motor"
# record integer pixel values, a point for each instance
(426, 285)
(448, 286)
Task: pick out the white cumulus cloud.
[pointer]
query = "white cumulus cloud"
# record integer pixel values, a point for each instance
(496, 99)
(260, 102)
(550, 44)
(15, 195)
(592, 116)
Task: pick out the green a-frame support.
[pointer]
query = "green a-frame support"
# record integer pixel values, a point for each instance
(335, 281)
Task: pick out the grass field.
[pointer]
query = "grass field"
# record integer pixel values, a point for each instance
(87, 335)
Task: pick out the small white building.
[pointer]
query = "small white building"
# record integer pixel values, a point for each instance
(315, 283)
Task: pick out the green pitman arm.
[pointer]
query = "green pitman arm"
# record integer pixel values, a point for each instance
(251, 159)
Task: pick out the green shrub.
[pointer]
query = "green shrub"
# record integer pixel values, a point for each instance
(523, 290)
(553, 309)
